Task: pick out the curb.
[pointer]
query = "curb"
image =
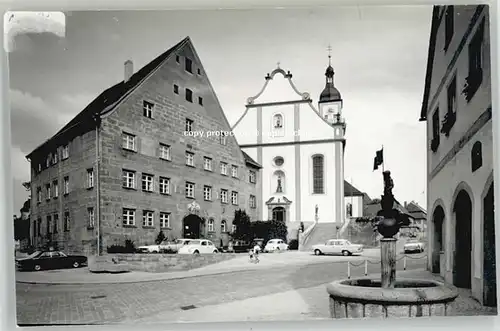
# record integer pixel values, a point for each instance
(167, 278)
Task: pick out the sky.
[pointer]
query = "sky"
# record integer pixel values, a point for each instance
(379, 55)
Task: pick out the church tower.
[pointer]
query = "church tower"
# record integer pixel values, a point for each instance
(330, 108)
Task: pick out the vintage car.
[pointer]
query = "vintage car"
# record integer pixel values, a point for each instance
(170, 246)
(413, 246)
(45, 260)
(337, 246)
(275, 245)
(198, 246)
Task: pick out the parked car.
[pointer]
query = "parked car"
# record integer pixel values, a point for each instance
(275, 245)
(45, 260)
(413, 246)
(239, 246)
(172, 246)
(337, 246)
(198, 246)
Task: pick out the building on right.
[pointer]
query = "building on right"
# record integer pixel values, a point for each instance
(458, 110)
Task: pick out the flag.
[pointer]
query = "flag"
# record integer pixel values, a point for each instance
(379, 159)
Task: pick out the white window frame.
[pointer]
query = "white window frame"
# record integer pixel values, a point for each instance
(207, 193)
(148, 218)
(210, 225)
(252, 177)
(223, 226)
(164, 220)
(189, 125)
(129, 141)
(223, 168)
(48, 191)
(253, 201)
(224, 195)
(66, 185)
(55, 157)
(128, 216)
(223, 139)
(91, 217)
(65, 152)
(234, 171)
(189, 187)
(207, 163)
(147, 183)
(90, 178)
(56, 188)
(39, 194)
(190, 159)
(165, 152)
(128, 176)
(147, 109)
(164, 184)
(234, 198)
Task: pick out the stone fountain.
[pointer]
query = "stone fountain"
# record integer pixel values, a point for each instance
(386, 296)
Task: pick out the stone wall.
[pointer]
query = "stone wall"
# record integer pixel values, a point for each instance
(158, 262)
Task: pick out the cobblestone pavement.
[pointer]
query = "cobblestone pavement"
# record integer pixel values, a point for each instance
(114, 303)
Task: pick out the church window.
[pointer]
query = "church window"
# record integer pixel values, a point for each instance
(278, 161)
(279, 181)
(318, 174)
(476, 156)
(348, 210)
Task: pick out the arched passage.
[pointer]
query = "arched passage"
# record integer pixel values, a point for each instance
(279, 214)
(437, 243)
(489, 262)
(462, 259)
(191, 226)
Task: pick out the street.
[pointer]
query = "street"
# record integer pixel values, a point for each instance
(119, 303)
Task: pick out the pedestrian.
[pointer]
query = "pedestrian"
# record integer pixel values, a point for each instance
(254, 253)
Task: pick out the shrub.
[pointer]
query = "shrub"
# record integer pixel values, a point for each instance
(293, 244)
(129, 247)
(160, 238)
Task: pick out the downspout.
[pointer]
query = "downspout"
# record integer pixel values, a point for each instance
(97, 120)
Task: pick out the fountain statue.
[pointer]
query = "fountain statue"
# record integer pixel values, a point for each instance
(374, 297)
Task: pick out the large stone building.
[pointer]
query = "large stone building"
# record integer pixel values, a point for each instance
(129, 166)
(458, 109)
(301, 149)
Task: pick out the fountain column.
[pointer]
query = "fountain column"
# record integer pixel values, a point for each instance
(388, 262)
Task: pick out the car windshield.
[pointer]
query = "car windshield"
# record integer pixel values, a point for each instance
(347, 242)
(194, 242)
(61, 254)
(34, 254)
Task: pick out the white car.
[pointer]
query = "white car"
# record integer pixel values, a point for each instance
(337, 246)
(275, 245)
(198, 246)
(413, 246)
(165, 245)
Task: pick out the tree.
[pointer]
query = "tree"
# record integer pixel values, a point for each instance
(243, 226)
(160, 237)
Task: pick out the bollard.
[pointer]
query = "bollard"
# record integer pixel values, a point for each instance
(366, 267)
(348, 270)
(404, 262)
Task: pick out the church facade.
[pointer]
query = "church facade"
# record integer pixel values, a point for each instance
(300, 147)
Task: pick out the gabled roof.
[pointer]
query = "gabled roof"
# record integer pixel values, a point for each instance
(416, 211)
(350, 190)
(251, 161)
(374, 207)
(107, 99)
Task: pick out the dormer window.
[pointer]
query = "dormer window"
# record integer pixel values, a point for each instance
(65, 152)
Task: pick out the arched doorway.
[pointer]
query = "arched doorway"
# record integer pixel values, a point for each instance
(191, 226)
(437, 247)
(489, 263)
(462, 259)
(279, 214)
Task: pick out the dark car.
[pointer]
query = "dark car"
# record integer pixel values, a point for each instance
(45, 260)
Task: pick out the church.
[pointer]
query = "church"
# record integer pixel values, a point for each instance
(300, 145)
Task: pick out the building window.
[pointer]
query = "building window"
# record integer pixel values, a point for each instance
(164, 185)
(177, 59)
(55, 157)
(234, 171)
(164, 152)
(39, 194)
(147, 218)
(66, 185)
(49, 224)
(91, 216)
(449, 26)
(200, 101)
(223, 196)
(190, 159)
(223, 168)
(176, 89)
(252, 176)
(207, 193)
(234, 198)
(223, 226)
(128, 179)
(210, 225)
(348, 210)
(223, 139)
(435, 130)
(66, 221)
(278, 161)
(207, 163)
(188, 65)
(476, 156)
(475, 77)
(199, 71)
(65, 152)
(55, 185)
(233, 228)
(253, 202)
(278, 121)
(164, 220)
(189, 125)
(48, 160)
(318, 168)
(451, 114)
(147, 109)
(90, 178)
(189, 95)
(56, 223)
(128, 141)
(147, 183)
(47, 191)
(189, 190)
(128, 217)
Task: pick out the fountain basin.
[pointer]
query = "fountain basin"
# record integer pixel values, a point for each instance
(364, 297)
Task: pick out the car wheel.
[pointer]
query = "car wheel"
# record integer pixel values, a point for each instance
(317, 252)
(216, 251)
(346, 253)
(37, 267)
(196, 253)
(76, 264)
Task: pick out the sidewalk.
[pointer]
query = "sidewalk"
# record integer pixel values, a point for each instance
(238, 264)
(297, 305)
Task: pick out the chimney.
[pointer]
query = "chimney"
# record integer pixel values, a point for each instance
(406, 204)
(129, 70)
